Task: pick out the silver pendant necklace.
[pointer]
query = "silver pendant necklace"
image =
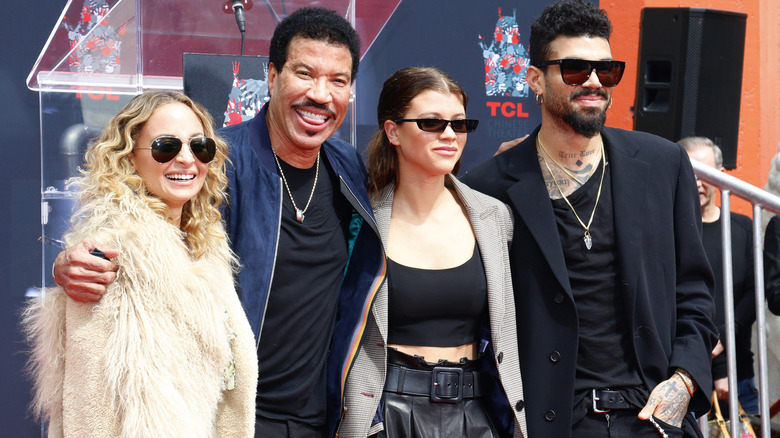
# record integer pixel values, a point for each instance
(298, 212)
(586, 237)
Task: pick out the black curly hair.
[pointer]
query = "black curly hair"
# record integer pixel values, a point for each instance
(566, 17)
(317, 24)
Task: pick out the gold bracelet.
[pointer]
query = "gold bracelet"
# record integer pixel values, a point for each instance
(685, 383)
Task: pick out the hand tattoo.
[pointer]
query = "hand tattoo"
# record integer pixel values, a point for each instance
(670, 399)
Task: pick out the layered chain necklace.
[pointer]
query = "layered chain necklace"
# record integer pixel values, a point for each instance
(298, 212)
(587, 237)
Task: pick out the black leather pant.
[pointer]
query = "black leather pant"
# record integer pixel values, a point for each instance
(419, 416)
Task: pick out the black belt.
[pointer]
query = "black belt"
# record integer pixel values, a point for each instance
(605, 400)
(441, 384)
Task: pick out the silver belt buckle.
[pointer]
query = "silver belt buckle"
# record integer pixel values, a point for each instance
(595, 408)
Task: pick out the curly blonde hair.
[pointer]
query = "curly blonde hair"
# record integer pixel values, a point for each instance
(109, 174)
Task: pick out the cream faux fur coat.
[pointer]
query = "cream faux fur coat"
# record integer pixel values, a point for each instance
(150, 359)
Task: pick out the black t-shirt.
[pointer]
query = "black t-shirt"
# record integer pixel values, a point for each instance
(743, 287)
(301, 310)
(605, 357)
(436, 307)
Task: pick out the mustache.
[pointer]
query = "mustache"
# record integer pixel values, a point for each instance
(597, 92)
(312, 104)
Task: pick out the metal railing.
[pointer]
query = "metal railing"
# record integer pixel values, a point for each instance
(761, 200)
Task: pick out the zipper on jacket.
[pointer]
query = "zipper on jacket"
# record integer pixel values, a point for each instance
(273, 267)
(366, 215)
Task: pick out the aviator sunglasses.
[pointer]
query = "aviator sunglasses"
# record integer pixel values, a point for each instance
(577, 71)
(165, 149)
(439, 125)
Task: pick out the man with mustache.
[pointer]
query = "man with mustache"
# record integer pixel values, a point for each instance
(300, 220)
(612, 285)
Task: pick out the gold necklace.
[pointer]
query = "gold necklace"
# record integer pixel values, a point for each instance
(298, 212)
(565, 170)
(587, 237)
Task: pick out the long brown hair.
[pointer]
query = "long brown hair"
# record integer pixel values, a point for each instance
(394, 100)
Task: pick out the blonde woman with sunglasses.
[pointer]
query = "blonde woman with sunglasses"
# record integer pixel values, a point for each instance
(168, 351)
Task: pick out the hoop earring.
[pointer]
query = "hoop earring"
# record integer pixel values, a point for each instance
(539, 99)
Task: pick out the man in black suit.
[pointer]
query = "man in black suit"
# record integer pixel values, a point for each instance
(612, 285)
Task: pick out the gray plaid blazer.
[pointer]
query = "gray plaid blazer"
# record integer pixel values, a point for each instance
(493, 225)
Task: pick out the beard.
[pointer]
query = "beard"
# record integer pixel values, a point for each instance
(587, 122)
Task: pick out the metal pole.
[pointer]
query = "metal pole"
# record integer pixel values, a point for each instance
(728, 310)
(760, 199)
(763, 381)
(746, 191)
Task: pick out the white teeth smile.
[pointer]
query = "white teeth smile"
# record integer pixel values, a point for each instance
(180, 177)
(312, 115)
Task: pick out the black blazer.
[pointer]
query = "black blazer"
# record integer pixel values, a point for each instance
(663, 271)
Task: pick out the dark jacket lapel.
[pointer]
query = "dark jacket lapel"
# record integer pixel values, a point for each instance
(629, 204)
(530, 199)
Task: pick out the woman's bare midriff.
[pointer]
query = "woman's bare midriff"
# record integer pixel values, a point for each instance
(434, 354)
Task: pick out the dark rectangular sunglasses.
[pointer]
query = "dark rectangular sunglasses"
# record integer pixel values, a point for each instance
(439, 125)
(165, 149)
(577, 71)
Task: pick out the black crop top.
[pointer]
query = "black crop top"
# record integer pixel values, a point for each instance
(436, 307)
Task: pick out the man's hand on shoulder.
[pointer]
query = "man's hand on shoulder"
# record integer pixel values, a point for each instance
(505, 146)
(84, 276)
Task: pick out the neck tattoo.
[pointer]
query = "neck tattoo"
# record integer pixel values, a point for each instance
(587, 237)
(565, 170)
(298, 212)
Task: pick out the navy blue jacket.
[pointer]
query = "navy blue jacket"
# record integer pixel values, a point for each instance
(253, 218)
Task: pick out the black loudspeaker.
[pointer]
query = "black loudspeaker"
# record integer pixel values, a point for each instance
(690, 75)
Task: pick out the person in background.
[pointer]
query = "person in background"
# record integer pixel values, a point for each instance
(300, 221)
(772, 265)
(772, 242)
(443, 324)
(705, 151)
(168, 351)
(612, 286)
